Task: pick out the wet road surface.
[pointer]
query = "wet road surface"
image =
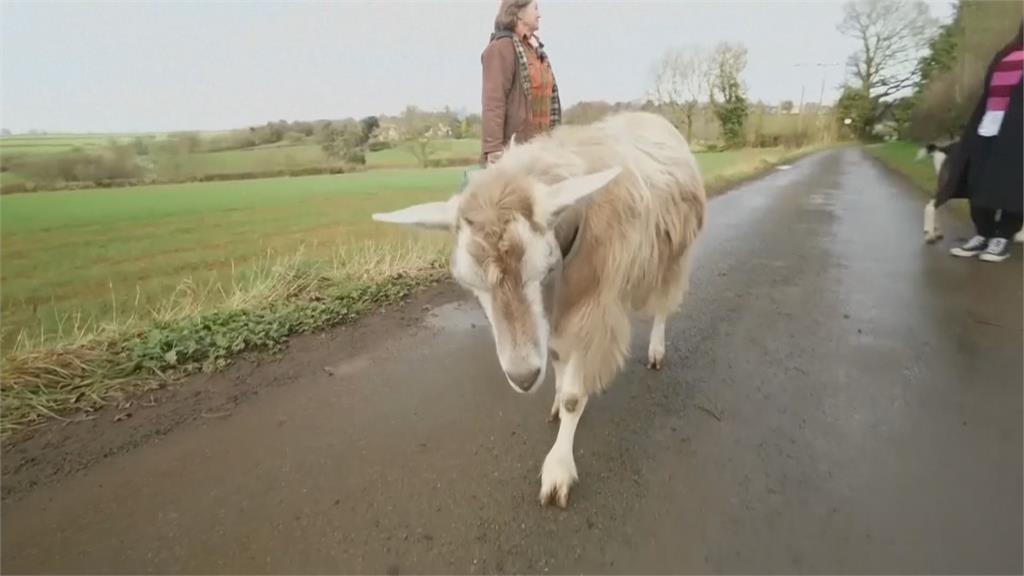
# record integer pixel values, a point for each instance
(838, 397)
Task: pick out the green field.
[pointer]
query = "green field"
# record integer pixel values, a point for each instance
(280, 156)
(251, 160)
(92, 250)
(14, 146)
(468, 149)
(84, 250)
(283, 157)
(10, 178)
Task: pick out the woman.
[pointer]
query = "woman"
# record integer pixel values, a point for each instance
(520, 97)
(986, 166)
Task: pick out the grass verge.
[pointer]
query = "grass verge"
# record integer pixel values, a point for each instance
(901, 158)
(717, 181)
(261, 308)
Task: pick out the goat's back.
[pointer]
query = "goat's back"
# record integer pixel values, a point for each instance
(644, 220)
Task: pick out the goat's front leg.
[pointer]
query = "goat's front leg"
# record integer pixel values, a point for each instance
(559, 471)
(559, 367)
(656, 349)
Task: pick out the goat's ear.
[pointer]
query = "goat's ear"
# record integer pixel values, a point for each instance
(432, 215)
(568, 192)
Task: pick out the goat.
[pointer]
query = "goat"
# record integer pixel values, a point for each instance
(562, 238)
(938, 154)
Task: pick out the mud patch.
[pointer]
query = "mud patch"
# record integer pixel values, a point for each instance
(459, 315)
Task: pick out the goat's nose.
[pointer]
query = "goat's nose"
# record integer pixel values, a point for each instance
(524, 380)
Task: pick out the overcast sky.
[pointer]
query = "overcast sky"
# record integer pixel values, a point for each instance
(157, 66)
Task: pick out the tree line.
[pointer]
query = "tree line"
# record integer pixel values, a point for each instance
(911, 76)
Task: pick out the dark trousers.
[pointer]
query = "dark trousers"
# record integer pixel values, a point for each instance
(996, 223)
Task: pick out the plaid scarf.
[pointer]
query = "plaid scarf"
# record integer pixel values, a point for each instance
(524, 74)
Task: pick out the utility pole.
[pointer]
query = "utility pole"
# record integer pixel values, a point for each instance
(800, 109)
(824, 66)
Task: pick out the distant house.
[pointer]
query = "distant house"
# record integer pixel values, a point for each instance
(393, 131)
(439, 130)
(389, 132)
(886, 127)
(887, 130)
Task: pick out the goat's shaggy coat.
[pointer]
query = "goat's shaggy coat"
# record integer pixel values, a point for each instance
(560, 240)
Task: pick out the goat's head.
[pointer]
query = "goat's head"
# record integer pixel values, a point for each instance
(506, 253)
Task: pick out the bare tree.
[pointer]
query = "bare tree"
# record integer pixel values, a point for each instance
(952, 73)
(893, 35)
(681, 82)
(727, 63)
(417, 134)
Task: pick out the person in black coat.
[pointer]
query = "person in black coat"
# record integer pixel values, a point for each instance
(986, 166)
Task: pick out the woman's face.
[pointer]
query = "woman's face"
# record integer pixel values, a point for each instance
(530, 17)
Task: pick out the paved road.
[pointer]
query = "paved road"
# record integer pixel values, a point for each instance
(838, 397)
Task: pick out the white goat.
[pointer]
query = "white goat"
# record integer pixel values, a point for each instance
(561, 239)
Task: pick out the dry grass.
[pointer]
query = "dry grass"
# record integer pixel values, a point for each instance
(718, 181)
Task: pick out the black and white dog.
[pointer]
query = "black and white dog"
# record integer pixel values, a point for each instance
(938, 154)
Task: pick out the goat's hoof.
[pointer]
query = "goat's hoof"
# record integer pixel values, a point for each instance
(656, 360)
(556, 480)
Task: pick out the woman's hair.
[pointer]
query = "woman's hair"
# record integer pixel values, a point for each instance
(508, 14)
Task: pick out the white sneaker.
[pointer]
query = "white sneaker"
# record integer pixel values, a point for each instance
(972, 247)
(997, 251)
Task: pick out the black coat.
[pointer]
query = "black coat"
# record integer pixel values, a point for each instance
(994, 168)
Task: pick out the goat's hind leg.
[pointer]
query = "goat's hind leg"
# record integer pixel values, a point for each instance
(656, 348)
(666, 299)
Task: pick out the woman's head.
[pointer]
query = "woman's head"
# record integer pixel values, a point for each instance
(519, 16)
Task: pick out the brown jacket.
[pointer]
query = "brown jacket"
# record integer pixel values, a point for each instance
(505, 106)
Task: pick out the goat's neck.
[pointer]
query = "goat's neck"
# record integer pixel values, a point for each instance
(568, 230)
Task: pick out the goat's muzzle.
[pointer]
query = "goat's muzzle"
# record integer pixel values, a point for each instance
(524, 381)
